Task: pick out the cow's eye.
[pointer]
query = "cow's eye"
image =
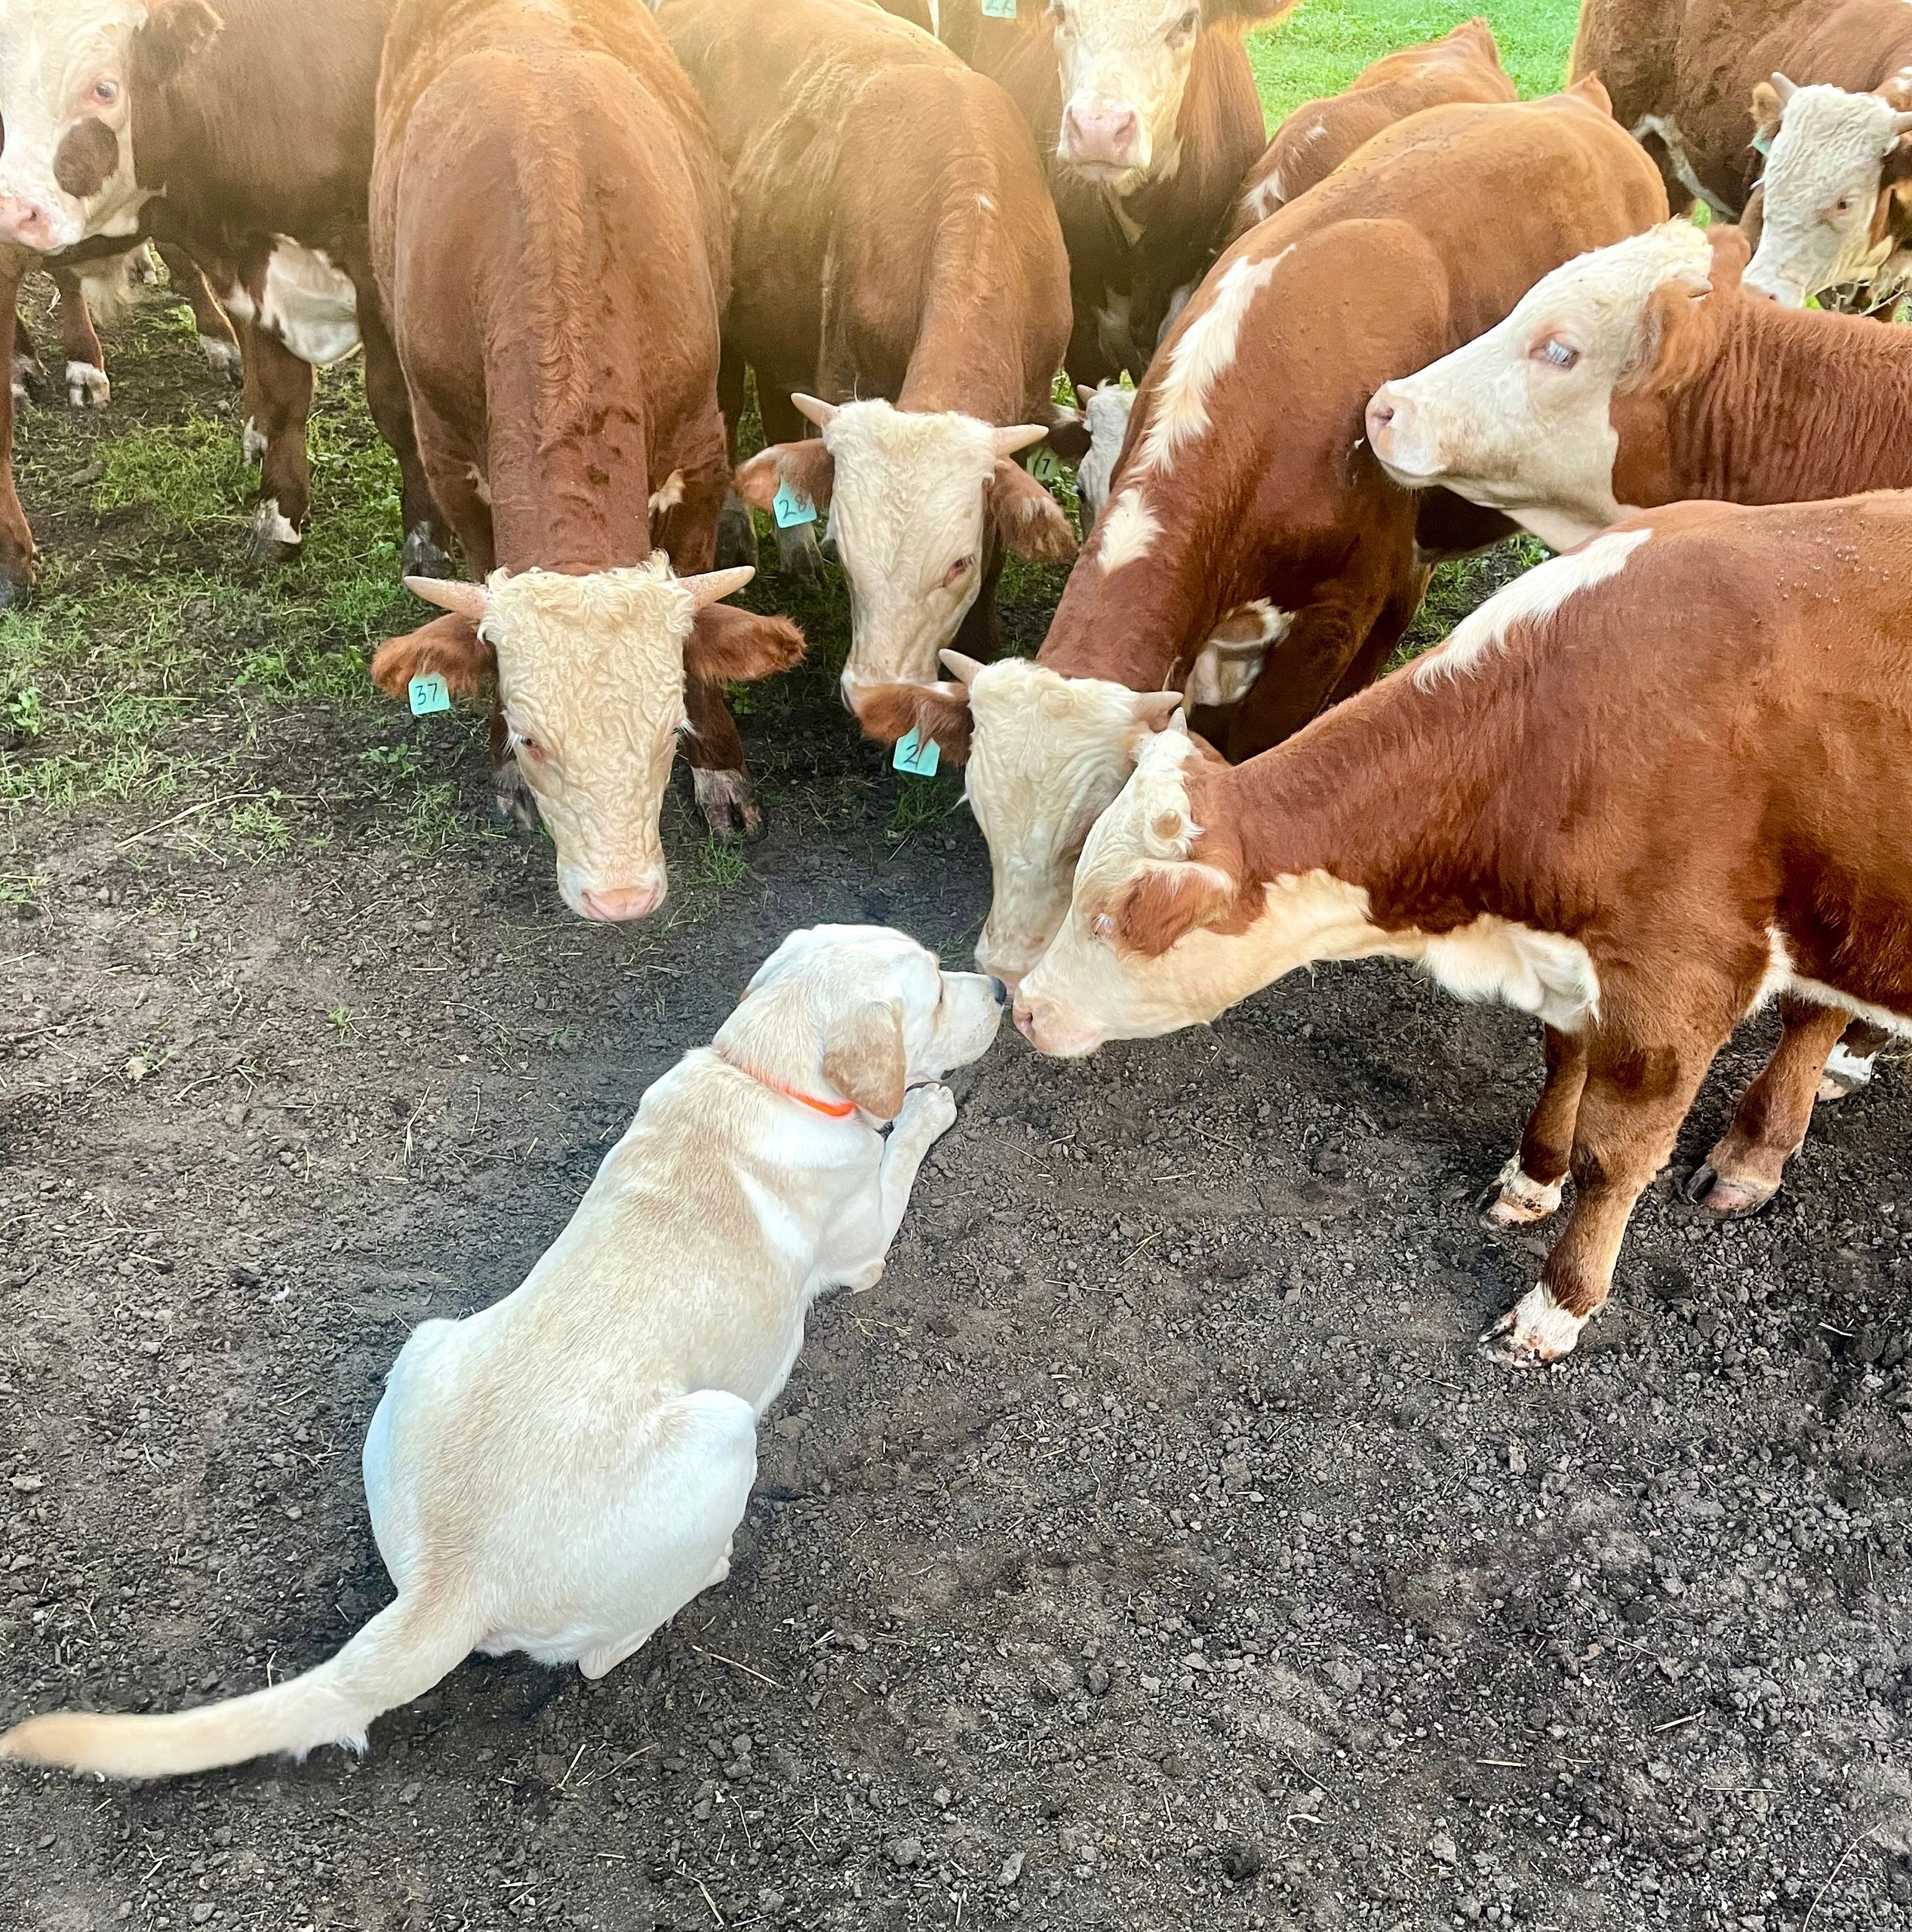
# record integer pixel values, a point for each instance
(523, 742)
(960, 569)
(1189, 21)
(105, 92)
(1843, 206)
(1556, 353)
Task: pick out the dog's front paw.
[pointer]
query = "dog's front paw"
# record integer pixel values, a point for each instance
(929, 1112)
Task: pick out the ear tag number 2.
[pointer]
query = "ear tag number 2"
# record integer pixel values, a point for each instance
(427, 693)
(790, 506)
(918, 755)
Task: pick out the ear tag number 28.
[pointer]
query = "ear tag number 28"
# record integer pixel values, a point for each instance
(427, 693)
(918, 755)
(790, 506)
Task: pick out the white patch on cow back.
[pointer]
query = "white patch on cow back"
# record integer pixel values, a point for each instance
(310, 304)
(1127, 533)
(1526, 600)
(1264, 197)
(1201, 355)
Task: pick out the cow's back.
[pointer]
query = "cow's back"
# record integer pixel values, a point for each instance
(270, 128)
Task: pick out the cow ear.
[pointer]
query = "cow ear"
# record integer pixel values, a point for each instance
(1767, 108)
(941, 711)
(1673, 336)
(807, 467)
(863, 1057)
(448, 646)
(1591, 89)
(174, 33)
(1027, 517)
(729, 646)
(1163, 904)
(1732, 250)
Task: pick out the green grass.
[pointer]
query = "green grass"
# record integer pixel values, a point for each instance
(1320, 48)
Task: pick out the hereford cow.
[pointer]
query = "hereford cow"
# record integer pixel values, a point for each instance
(1709, 84)
(548, 219)
(125, 117)
(1260, 589)
(1320, 135)
(896, 252)
(1149, 113)
(1646, 788)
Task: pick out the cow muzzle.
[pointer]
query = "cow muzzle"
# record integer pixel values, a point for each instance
(1103, 137)
(615, 905)
(1395, 434)
(25, 222)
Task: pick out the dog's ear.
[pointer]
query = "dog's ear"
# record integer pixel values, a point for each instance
(863, 1057)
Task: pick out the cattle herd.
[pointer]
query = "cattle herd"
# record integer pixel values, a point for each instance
(1657, 783)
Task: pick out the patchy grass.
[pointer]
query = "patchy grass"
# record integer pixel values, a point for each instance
(1322, 46)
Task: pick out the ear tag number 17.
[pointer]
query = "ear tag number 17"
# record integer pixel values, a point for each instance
(427, 693)
(918, 755)
(790, 506)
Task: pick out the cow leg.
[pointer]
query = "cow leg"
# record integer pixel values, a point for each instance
(736, 534)
(1852, 1064)
(1383, 635)
(389, 398)
(1637, 1093)
(30, 380)
(1742, 1172)
(217, 342)
(1530, 1185)
(798, 553)
(278, 390)
(16, 537)
(86, 385)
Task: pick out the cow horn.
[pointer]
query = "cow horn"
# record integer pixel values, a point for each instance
(713, 586)
(1784, 88)
(812, 410)
(461, 600)
(1902, 124)
(963, 669)
(1018, 437)
(1155, 708)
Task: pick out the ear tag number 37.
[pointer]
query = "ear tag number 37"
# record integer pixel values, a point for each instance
(918, 755)
(427, 693)
(790, 506)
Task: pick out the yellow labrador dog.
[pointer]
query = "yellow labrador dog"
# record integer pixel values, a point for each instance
(562, 1473)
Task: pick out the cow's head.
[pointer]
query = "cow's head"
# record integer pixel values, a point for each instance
(69, 70)
(1523, 418)
(1151, 938)
(1124, 66)
(590, 675)
(1837, 163)
(921, 505)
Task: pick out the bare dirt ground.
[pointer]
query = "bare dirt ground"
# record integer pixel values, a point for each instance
(1151, 1549)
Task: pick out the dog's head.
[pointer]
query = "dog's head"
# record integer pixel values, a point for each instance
(860, 1012)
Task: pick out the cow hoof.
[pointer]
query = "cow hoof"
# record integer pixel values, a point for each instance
(1535, 1332)
(223, 358)
(798, 554)
(1728, 1198)
(513, 800)
(274, 540)
(725, 803)
(737, 536)
(15, 595)
(87, 387)
(31, 382)
(145, 267)
(1516, 1199)
(422, 556)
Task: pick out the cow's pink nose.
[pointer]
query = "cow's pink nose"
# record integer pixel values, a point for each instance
(1381, 417)
(630, 902)
(1101, 133)
(25, 223)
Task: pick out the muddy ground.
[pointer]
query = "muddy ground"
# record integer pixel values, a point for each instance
(1151, 1549)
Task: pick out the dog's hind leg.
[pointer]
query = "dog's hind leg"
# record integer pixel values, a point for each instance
(669, 1538)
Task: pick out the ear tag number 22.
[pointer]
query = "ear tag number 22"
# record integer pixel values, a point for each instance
(918, 755)
(790, 506)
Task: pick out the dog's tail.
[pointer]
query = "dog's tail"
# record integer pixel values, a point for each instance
(398, 1656)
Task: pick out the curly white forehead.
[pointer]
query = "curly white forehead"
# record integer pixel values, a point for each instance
(643, 600)
(1826, 134)
(1149, 821)
(1623, 276)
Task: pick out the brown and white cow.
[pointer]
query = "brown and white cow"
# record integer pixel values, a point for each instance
(1648, 786)
(1823, 86)
(1148, 114)
(896, 253)
(244, 133)
(1254, 558)
(548, 223)
(1462, 66)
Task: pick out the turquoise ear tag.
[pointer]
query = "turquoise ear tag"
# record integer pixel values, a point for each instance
(917, 755)
(790, 506)
(428, 694)
(1762, 144)
(1046, 466)
(999, 10)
